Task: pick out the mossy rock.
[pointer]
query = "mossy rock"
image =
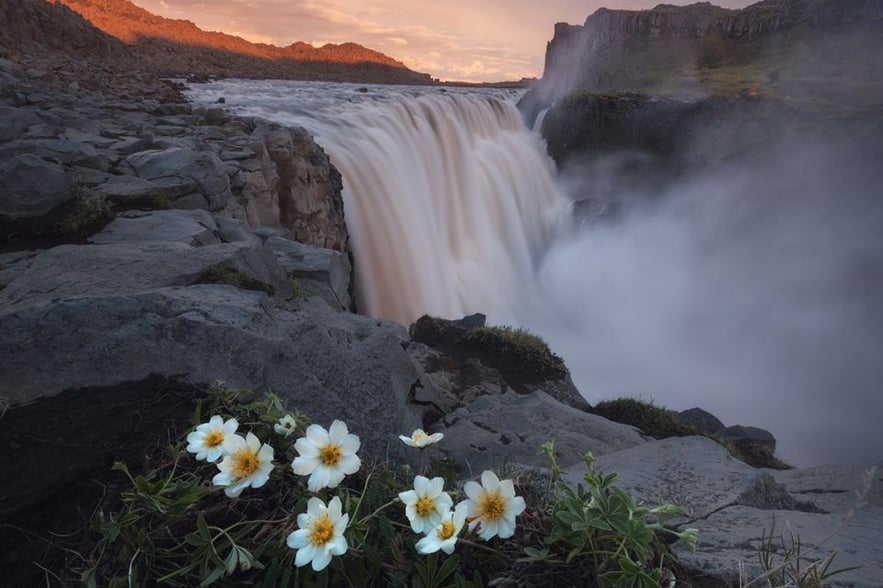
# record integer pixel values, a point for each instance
(655, 421)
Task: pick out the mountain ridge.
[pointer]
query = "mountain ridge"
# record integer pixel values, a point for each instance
(134, 37)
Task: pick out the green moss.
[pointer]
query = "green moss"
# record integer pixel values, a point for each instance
(226, 274)
(518, 350)
(656, 421)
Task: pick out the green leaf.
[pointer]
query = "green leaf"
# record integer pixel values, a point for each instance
(194, 539)
(203, 529)
(231, 562)
(213, 577)
(447, 568)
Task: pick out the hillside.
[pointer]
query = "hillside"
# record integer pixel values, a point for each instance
(168, 47)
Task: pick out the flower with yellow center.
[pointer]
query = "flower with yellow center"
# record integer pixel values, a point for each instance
(493, 505)
(320, 535)
(247, 463)
(426, 504)
(286, 425)
(444, 535)
(326, 456)
(207, 441)
(420, 439)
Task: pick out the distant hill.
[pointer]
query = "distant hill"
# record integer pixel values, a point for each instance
(824, 50)
(169, 47)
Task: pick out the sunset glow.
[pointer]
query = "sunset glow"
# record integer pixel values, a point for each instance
(464, 40)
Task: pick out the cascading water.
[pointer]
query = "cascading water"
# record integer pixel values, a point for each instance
(742, 288)
(450, 201)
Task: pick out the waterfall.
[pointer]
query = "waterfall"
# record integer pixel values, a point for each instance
(450, 203)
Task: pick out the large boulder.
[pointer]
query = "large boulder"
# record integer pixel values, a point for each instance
(31, 187)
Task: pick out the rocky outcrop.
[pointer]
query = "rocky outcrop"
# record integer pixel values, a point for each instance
(73, 155)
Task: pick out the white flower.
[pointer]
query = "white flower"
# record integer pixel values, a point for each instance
(444, 535)
(326, 456)
(286, 425)
(207, 441)
(426, 504)
(420, 439)
(494, 505)
(247, 463)
(320, 535)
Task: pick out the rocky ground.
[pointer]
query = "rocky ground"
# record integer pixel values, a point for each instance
(151, 247)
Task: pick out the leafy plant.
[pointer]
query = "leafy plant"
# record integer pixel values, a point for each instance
(602, 523)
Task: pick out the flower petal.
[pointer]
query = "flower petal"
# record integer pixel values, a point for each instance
(317, 435)
(349, 444)
(490, 481)
(306, 448)
(321, 560)
(337, 432)
(472, 490)
(304, 466)
(298, 539)
(305, 555)
(349, 464)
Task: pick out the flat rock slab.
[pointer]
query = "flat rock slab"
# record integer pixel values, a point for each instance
(729, 539)
(733, 505)
(506, 428)
(193, 227)
(85, 270)
(693, 472)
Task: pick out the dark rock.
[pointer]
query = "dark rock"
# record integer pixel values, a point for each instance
(758, 446)
(328, 271)
(472, 321)
(523, 361)
(703, 421)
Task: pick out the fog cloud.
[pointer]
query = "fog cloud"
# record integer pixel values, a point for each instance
(752, 288)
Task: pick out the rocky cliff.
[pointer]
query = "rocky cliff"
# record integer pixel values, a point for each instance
(703, 49)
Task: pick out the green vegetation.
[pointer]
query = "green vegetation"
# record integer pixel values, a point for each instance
(520, 351)
(226, 274)
(88, 212)
(608, 532)
(170, 527)
(298, 292)
(655, 421)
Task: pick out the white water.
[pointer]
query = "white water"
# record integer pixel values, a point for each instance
(747, 289)
(449, 200)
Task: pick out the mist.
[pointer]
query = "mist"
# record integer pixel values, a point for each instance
(751, 287)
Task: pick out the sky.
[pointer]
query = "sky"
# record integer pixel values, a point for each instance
(461, 40)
